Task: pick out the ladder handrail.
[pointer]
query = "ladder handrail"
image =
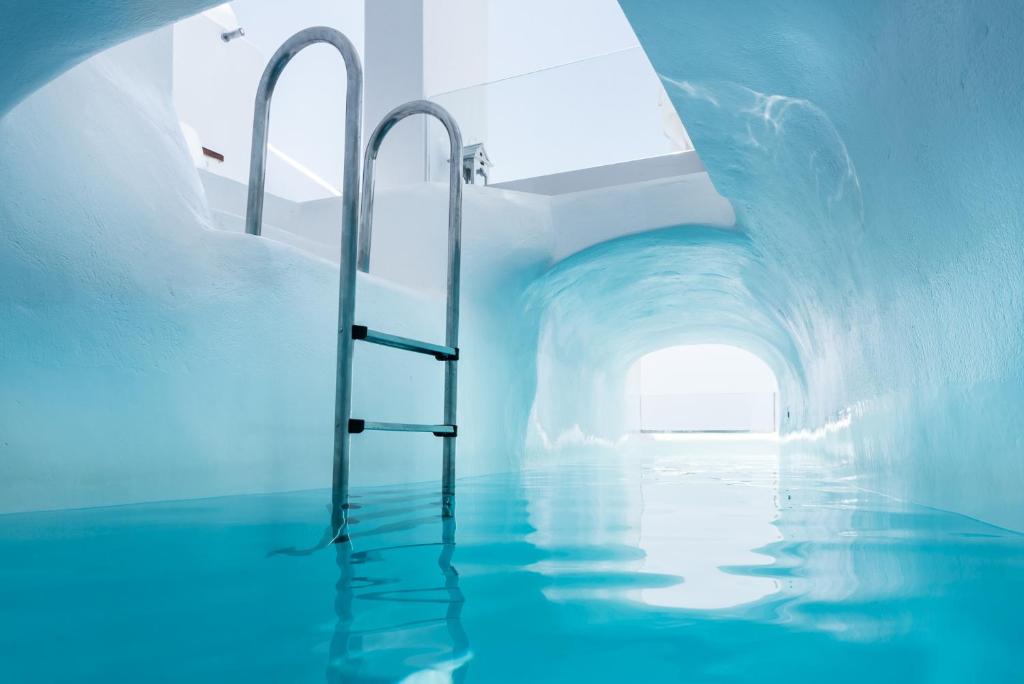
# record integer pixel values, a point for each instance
(349, 224)
(373, 146)
(261, 121)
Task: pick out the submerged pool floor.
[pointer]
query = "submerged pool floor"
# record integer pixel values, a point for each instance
(672, 568)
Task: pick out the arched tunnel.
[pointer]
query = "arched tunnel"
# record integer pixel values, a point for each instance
(609, 305)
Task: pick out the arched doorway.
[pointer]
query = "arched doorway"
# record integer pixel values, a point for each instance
(702, 388)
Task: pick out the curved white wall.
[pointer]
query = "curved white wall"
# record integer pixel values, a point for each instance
(146, 355)
(872, 151)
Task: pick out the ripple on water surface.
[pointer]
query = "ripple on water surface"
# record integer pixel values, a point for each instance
(657, 569)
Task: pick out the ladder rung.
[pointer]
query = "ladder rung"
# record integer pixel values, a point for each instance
(439, 352)
(357, 425)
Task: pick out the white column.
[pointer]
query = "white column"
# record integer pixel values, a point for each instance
(394, 74)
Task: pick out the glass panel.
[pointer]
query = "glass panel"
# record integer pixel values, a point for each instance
(598, 111)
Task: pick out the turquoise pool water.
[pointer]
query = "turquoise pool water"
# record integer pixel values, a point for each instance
(705, 568)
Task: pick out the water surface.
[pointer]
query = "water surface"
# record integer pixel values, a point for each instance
(668, 568)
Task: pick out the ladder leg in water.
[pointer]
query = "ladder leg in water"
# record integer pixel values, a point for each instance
(449, 353)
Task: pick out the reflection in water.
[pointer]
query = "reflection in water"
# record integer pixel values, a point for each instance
(670, 564)
(397, 617)
(697, 522)
(703, 516)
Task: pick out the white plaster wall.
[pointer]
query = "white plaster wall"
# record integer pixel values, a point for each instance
(215, 86)
(585, 219)
(394, 75)
(456, 44)
(268, 23)
(409, 224)
(147, 356)
(471, 42)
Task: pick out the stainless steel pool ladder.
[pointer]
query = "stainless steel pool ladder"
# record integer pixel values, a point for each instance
(356, 244)
(447, 353)
(349, 225)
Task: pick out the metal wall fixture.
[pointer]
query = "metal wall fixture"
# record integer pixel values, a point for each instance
(228, 36)
(349, 226)
(449, 352)
(476, 165)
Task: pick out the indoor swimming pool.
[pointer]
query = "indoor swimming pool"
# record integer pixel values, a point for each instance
(682, 566)
(690, 346)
